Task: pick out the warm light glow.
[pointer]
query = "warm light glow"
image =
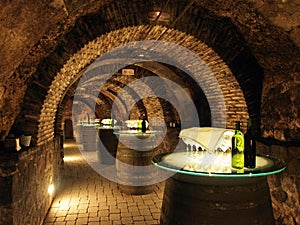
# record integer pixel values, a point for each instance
(69, 145)
(64, 205)
(51, 189)
(71, 158)
(157, 13)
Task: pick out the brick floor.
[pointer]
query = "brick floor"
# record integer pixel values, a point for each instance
(85, 197)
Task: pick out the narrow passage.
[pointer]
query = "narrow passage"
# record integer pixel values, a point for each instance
(85, 197)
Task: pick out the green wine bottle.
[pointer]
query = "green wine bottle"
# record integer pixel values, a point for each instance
(139, 125)
(112, 122)
(237, 157)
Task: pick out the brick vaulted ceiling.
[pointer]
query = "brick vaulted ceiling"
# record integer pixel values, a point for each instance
(46, 45)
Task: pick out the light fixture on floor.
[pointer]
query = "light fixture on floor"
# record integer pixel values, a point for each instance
(71, 158)
(51, 189)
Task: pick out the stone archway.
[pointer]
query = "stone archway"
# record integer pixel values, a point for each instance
(68, 129)
(233, 95)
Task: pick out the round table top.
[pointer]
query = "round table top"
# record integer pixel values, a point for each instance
(217, 164)
(108, 127)
(138, 133)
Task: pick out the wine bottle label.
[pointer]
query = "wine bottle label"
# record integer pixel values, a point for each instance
(237, 160)
(239, 143)
(139, 126)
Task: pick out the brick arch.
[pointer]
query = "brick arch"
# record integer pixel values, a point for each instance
(152, 107)
(233, 96)
(106, 98)
(130, 95)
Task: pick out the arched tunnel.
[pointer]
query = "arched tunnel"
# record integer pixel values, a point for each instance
(228, 60)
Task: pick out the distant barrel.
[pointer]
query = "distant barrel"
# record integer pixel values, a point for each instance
(134, 167)
(89, 138)
(108, 146)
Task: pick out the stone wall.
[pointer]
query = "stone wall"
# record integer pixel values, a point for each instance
(26, 177)
(285, 187)
(282, 13)
(8, 169)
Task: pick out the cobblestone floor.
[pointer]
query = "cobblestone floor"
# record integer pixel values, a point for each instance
(85, 197)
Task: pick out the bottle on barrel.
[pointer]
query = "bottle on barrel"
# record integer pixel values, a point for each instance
(88, 118)
(250, 147)
(112, 122)
(237, 157)
(144, 125)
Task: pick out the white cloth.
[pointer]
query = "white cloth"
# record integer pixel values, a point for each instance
(134, 123)
(108, 121)
(208, 138)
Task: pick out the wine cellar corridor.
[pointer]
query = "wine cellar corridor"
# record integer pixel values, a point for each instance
(67, 66)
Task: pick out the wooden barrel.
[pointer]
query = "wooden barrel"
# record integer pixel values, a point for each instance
(89, 138)
(108, 146)
(135, 172)
(78, 134)
(218, 201)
